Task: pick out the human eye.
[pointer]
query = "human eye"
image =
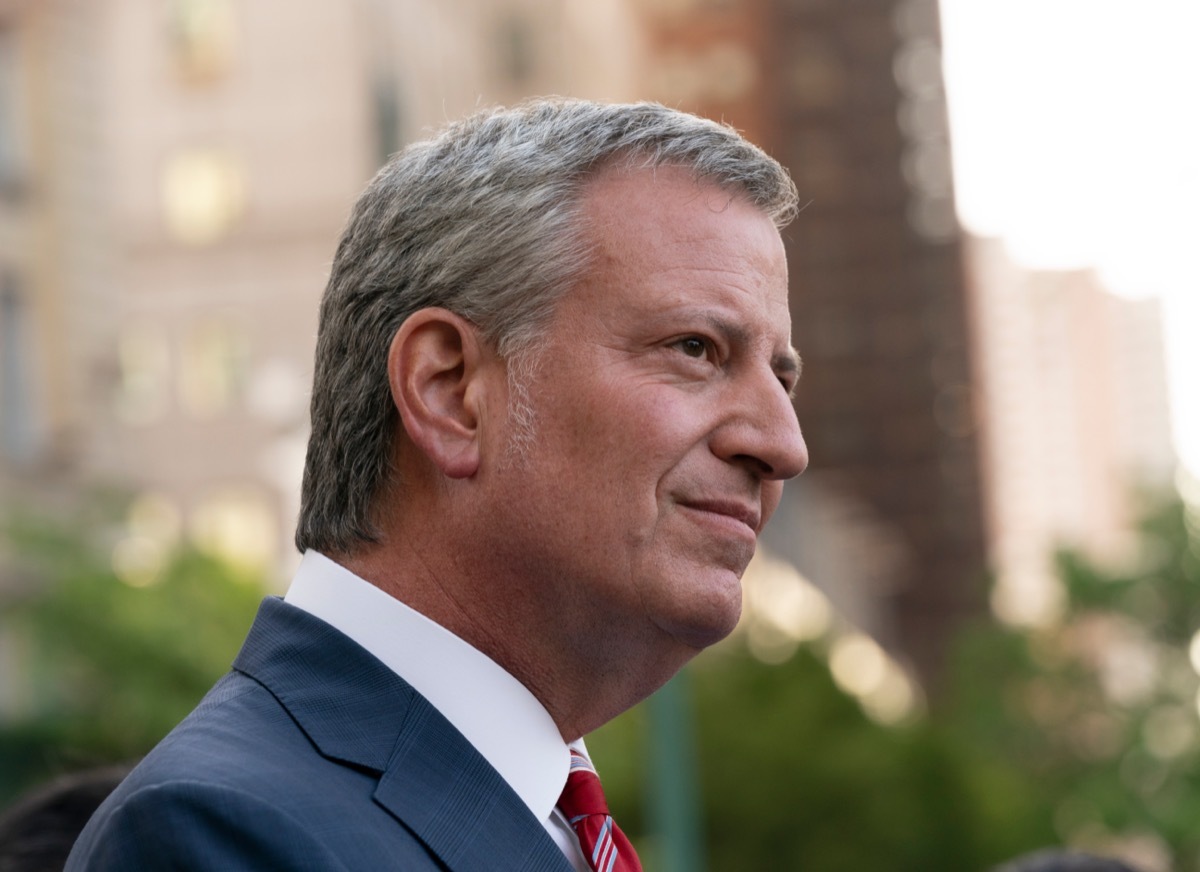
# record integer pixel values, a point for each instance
(788, 373)
(696, 347)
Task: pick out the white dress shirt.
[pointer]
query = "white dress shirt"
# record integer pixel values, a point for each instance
(495, 712)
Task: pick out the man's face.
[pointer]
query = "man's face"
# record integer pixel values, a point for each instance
(662, 425)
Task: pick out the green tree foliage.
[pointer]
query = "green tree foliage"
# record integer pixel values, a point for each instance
(1083, 733)
(1101, 709)
(795, 776)
(100, 670)
(863, 795)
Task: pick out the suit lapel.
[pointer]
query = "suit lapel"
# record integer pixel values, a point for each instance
(357, 711)
(442, 788)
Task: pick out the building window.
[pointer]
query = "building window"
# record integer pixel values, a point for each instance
(516, 44)
(202, 38)
(152, 533)
(237, 524)
(388, 130)
(212, 369)
(203, 195)
(144, 357)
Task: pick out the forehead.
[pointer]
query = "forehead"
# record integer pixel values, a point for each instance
(665, 229)
(655, 213)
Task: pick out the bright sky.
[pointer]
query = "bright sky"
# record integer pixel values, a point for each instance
(1076, 135)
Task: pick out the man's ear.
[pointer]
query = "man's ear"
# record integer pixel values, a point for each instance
(435, 369)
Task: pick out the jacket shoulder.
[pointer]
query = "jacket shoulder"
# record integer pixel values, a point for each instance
(196, 825)
(239, 785)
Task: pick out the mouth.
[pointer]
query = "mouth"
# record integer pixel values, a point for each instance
(745, 514)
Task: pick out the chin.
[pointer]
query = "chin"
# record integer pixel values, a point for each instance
(706, 621)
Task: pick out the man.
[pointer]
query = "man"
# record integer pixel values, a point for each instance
(551, 413)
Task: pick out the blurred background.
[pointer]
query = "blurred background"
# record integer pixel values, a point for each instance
(970, 631)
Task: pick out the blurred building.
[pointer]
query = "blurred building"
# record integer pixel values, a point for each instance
(1075, 416)
(221, 160)
(173, 178)
(54, 314)
(848, 95)
(174, 175)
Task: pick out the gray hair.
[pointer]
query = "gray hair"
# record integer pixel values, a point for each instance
(482, 220)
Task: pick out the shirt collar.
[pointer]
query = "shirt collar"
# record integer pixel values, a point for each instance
(492, 709)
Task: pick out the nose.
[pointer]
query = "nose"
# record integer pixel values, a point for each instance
(762, 432)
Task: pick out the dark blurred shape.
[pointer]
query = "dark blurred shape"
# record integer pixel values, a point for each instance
(1064, 861)
(879, 305)
(849, 97)
(38, 830)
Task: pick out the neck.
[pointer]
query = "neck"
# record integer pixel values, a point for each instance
(582, 686)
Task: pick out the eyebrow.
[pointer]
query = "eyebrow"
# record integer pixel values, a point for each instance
(789, 362)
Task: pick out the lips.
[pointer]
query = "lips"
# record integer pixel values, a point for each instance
(738, 511)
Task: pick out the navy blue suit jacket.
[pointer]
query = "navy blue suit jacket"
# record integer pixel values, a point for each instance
(311, 754)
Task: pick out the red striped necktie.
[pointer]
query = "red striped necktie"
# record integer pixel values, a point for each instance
(583, 805)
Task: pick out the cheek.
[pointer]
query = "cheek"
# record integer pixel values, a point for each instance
(668, 422)
(618, 443)
(635, 437)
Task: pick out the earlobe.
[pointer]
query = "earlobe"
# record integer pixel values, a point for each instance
(434, 368)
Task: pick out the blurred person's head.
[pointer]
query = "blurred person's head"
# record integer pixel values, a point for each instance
(38, 830)
(484, 221)
(1064, 861)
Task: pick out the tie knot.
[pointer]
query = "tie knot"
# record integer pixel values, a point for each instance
(603, 844)
(583, 794)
